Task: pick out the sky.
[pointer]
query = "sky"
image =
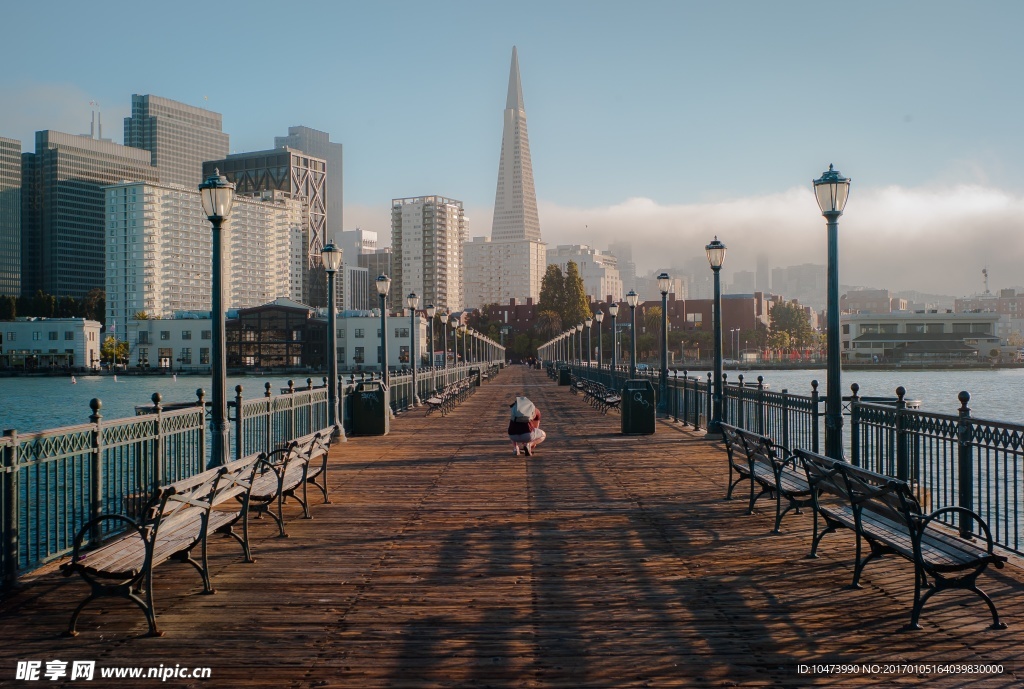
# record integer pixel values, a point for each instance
(664, 123)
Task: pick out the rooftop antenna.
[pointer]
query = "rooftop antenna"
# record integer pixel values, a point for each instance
(984, 272)
(96, 126)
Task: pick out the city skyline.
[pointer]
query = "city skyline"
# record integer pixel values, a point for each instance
(665, 125)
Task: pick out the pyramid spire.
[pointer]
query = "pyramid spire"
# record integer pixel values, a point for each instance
(515, 202)
(515, 87)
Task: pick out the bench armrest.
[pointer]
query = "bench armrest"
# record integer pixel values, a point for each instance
(926, 521)
(131, 525)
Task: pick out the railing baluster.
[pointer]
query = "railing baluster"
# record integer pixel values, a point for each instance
(965, 463)
(96, 468)
(855, 426)
(10, 515)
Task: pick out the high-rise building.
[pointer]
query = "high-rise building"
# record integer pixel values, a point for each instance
(180, 137)
(509, 265)
(623, 252)
(300, 176)
(10, 217)
(376, 264)
(598, 269)
(353, 244)
(159, 250)
(743, 282)
(62, 204)
(427, 237)
(319, 144)
(763, 279)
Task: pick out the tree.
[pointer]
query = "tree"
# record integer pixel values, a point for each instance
(577, 305)
(548, 323)
(552, 290)
(793, 321)
(114, 350)
(141, 316)
(8, 308)
(94, 306)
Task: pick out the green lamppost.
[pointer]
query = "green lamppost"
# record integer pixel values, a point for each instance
(430, 310)
(832, 190)
(599, 317)
(613, 309)
(716, 257)
(664, 285)
(412, 301)
(218, 195)
(383, 287)
(631, 300)
(332, 261)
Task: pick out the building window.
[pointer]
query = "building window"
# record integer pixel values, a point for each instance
(360, 333)
(204, 355)
(846, 329)
(186, 355)
(401, 332)
(358, 358)
(207, 334)
(36, 336)
(934, 328)
(52, 335)
(11, 337)
(695, 318)
(143, 337)
(186, 334)
(69, 335)
(165, 334)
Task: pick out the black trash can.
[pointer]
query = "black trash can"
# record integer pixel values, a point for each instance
(638, 407)
(474, 375)
(564, 376)
(371, 414)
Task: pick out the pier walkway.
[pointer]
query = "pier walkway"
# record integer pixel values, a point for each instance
(602, 561)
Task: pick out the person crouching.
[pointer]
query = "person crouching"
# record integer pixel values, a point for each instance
(524, 427)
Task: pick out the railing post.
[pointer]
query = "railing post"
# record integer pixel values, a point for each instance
(10, 515)
(201, 403)
(707, 419)
(965, 473)
(239, 438)
(760, 407)
(785, 420)
(291, 411)
(686, 404)
(815, 416)
(855, 425)
(269, 425)
(675, 396)
(96, 468)
(158, 443)
(725, 399)
(739, 404)
(902, 453)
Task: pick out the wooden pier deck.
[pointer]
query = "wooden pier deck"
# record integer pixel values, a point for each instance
(602, 561)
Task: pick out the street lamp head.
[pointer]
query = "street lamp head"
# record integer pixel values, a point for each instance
(632, 298)
(588, 322)
(443, 318)
(431, 310)
(664, 283)
(331, 256)
(383, 285)
(832, 190)
(599, 316)
(716, 253)
(412, 301)
(218, 194)
(613, 309)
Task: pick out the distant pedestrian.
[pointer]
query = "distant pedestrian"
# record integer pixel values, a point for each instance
(524, 426)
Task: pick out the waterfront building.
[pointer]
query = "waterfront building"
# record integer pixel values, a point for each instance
(871, 301)
(180, 137)
(359, 340)
(10, 217)
(300, 176)
(917, 336)
(180, 342)
(159, 250)
(1009, 304)
(511, 263)
(427, 237)
(46, 343)
(598, 269)
(279, 334)
(63, 247)
(317, 143)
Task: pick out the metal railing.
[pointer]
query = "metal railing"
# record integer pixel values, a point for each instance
(949, 459)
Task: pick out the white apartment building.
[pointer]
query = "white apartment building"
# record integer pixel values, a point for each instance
(159, 251)
(43, 343)
(359, 340)
(499, 271)
(427, 236)
(182, 343)
(599, 270)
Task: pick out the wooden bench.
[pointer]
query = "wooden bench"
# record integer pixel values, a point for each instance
(739, 462)
(884, 512)
(175, 519)
(286, 470)
(777, 476)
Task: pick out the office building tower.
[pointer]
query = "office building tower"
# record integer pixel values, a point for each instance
(159, 250)
(743, 282)
(623, 251)
(180, 137)
(10, 217)
(316, 143)
(353, 244)
(511, 262)
(298, 175)
(376, 264)
(598, 269)
(62, 210)
(427, 235)
(763, 279)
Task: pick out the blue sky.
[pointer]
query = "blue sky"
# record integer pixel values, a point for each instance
(666, 122)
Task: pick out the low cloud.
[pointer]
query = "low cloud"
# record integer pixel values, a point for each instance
(60, 107)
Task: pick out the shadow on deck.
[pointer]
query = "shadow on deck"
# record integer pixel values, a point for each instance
(604, 560)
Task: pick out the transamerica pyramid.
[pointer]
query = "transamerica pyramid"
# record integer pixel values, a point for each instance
(515, 202)
(510, 263)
